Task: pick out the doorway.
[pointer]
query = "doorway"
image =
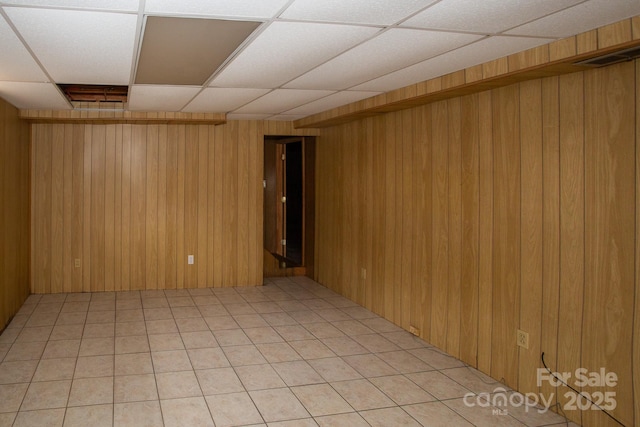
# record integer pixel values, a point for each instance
(289, 208)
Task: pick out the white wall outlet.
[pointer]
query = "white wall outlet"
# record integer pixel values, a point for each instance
(190, 259)
(522, 339)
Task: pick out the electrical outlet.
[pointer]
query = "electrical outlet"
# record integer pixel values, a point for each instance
(415, 331)
(76, 263)
(190, 259)
(522, 339)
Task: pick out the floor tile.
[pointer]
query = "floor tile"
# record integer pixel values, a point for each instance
(171, 361)
(207, 358)
(55, 369)
(389, 417)
(25, 351)
(278, 405)
(369, 365)
(107, 316)
(99, 330)
(341, 420)
(311, 349)
(11, 396)
(94, 416)
(186, 412)
(404, 361)
(438, 385)
(321, 399)
(240, 355)
(131, 329)
(219, 381)
(362, 395)
(133, 364)
(233, 409)
(436, 414)
(134, 388)
(401, 390)
(436, 358)
(482, 416)
(6, 419)
(294, 332)
(94, 366)
(176, 385)
(163, 342)
(96, 346)
(229, 337)
(164, 326)
(46, 395)
(91, 391)
(131, 344)
(263, 335)
(137, 414)
(20, 371)
(220, 323)
(297, 373)
(198, 339)
(61, 349)
(278, 352)
(192, 325)
(41, 418)
(259, 377)
(39, 333)
(290, 353)
(334, 369)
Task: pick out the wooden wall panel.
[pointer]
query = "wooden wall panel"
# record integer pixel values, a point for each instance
(522, 205)
(15, 218)
(531, 231)
(571, 224)
(130, 202)
(607, 338)
(506, 237)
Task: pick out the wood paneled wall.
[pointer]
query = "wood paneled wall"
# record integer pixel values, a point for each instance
(14, 212)
(131, 202)
(511, 208)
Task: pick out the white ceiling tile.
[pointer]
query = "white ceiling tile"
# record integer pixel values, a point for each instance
(160, 98)
(221, 100)
(263, 9)
(79, 47)
(486, 16)
(390, 51)
(22, 66)
(114, 5)
(39, 96)
(376, 12)
(581, 18)
(331, 101)
(286, 50)
(280, 100)
(481, 51)
(233, 116)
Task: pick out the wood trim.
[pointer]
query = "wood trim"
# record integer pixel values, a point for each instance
(104, 116)
(552, 59)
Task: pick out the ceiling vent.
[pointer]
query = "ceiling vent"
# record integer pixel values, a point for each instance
(94, 93)
(612, 58)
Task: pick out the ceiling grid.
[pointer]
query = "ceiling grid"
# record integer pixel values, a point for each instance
(292, 59)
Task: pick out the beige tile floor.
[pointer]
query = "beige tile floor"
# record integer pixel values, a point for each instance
(290, 353)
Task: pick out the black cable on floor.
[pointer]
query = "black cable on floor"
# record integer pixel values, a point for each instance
(578, 392)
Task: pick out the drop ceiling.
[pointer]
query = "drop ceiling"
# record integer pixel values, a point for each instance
(291, 58)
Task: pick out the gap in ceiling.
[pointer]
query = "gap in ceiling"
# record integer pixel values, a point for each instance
(94, 93)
